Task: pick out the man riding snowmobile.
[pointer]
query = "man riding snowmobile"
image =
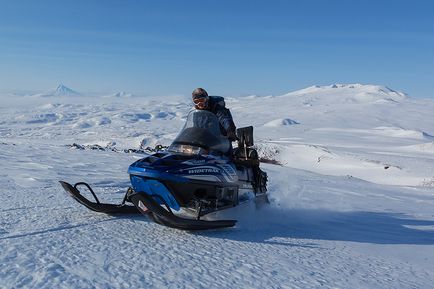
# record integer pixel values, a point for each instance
(197, 175)
(216, 105)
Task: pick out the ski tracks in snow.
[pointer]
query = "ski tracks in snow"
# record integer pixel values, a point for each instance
(60, 244)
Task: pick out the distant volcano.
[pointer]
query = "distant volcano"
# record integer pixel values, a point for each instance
(60, 90)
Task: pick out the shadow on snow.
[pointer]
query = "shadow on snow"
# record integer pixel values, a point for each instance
(270, 226)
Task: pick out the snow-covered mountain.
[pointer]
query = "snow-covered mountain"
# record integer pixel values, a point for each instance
(351, 200)
(355, 93)
(60, 90)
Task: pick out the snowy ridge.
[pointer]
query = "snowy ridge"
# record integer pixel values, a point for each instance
(351, 200)
(280, 122)
(120, 94)
(356, 93)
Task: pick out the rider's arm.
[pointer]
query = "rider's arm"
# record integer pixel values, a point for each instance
(226, 120)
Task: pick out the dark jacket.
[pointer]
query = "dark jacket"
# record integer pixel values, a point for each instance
(216, 105)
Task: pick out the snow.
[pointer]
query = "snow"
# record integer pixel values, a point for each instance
(120, 94)
(354, 92)
(280, 122)
(351, 201)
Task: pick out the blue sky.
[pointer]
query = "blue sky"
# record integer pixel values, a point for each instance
(227, 47)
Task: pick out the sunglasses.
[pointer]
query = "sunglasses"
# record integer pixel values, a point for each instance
(200, 102)
(199, 99)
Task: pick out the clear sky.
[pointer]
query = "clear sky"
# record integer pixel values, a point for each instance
(227, 47)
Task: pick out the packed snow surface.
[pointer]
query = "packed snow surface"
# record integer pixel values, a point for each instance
(351, 201)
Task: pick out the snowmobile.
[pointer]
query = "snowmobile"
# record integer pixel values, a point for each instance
(198, 174)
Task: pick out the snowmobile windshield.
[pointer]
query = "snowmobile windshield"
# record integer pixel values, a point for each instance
(200, 134)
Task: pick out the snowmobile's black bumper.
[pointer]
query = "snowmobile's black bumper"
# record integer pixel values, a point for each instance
(146, 203)
(97, 206)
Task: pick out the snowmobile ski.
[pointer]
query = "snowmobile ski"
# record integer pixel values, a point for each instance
(143, 204)
(97, 206)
